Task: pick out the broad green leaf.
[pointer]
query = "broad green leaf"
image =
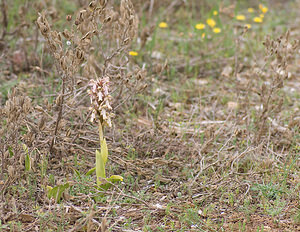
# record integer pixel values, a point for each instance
(49, 189)
(53, 192)
(115, 178)
(112, 179)
(100, 167)
(91, 171)
(57, 191)
(61, 189)
(104, 150)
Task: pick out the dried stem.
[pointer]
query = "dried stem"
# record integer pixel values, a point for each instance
(59, 116)
(101, 137)
(4, 20)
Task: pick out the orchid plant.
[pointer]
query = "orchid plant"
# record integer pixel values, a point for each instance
(101, 112)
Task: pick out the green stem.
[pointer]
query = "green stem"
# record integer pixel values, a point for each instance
(100, 132)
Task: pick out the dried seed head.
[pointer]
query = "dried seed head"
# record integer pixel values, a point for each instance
(43, 25)
(66, 34)
(79, 54)
(80, 17)
(92, 5)
(107, 19)
(103, 3)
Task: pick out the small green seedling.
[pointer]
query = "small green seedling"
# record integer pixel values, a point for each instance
(57, 191)
(27, 158)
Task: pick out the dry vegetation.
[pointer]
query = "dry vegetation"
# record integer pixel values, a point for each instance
(200, 103)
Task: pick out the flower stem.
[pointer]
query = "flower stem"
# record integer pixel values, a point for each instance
(100, 131)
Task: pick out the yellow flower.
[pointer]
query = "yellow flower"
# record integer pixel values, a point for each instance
(163, 25)
(215, 12)
(133, 53)
(200, 26)
(217, 30)
(258, 19)
(203, 35)
(211, 22)
(262, 16)
(250, 10)
(240, 17)
(248, 26)
(263, 8)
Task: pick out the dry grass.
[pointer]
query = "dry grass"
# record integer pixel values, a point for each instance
(206, 140)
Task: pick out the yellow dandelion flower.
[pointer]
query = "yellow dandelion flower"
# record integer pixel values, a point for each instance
(250, 10)
(248, 26)
(262, 16)
(264, 10)
(217, 30)
(211, 23)
(200, 26)
(133, 53)
(163, 25)
(203, 35)
(240, 17)
(258, 20)
(215, 12)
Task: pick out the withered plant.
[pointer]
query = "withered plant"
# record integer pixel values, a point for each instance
(95, 46)
(15, 112)
(279, 53)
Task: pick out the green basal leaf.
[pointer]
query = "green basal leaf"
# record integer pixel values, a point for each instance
(53, 192)
(112, 179)
(57, 191)
(27, 163)
(61, 189)
(91, 171)
(49, 189)
(100, 167)
(104, 150)
(115, 178)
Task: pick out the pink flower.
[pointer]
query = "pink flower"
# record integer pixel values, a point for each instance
(99, 95)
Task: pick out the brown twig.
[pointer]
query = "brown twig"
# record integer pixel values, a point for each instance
(4, 21)
(59, 116)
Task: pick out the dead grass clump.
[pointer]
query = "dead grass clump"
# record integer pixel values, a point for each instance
(263, 91)
(13, 131)
(273, 75)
